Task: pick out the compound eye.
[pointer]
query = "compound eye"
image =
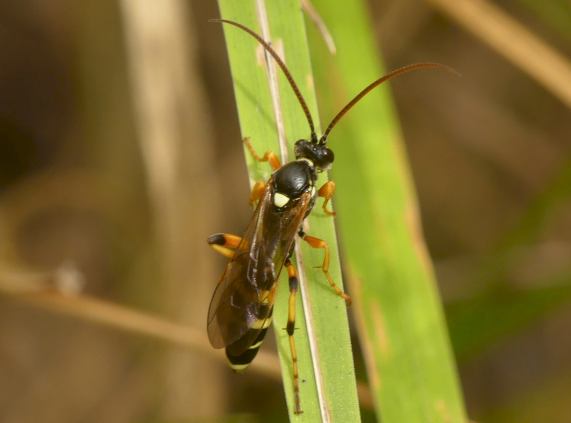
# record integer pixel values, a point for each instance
(329, 156)
(326, 158)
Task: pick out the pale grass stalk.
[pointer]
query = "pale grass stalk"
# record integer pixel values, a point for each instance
(513, 41)
(175, 135)
(315, 17)
(36, 289)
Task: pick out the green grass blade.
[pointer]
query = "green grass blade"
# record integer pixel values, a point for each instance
(328, 362)
(402, 329)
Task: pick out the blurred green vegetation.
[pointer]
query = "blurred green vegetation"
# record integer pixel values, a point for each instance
(400, 323)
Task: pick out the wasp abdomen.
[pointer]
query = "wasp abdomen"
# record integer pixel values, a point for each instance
(238, 358)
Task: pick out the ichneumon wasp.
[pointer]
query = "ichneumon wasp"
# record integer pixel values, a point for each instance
(241, 308)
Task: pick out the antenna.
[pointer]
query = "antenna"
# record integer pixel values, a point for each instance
(284, 68)
(397, 72)
(323, 140)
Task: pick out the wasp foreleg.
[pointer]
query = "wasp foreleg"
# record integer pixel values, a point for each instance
(224, 244)
(293, 286)
(269, 156)
(326, 191)
(319, 243)
(257, 192)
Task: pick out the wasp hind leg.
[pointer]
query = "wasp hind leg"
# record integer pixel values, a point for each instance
(293, 286)
(224, 244)
(319, 243)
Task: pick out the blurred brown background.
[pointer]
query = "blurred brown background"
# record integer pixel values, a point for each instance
(89, 191)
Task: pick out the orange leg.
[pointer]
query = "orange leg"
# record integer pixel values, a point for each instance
(224, 244)
(293, 285)
(257, 192)
(319, 243)
(327, 191)
(268, 156)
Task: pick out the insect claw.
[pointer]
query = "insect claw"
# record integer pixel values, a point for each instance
(348, 300)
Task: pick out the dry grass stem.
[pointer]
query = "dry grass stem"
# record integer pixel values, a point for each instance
(315, 17)
(174, 131)
(514, 41)
(34, 289)
(83, 307)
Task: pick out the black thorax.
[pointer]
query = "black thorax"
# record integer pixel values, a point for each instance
(295, 178)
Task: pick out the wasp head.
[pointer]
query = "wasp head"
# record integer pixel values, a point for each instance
(318, 153)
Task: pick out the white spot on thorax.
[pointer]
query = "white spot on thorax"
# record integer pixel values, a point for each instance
(280, 199)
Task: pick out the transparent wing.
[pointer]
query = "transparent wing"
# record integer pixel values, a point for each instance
(243, 300)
